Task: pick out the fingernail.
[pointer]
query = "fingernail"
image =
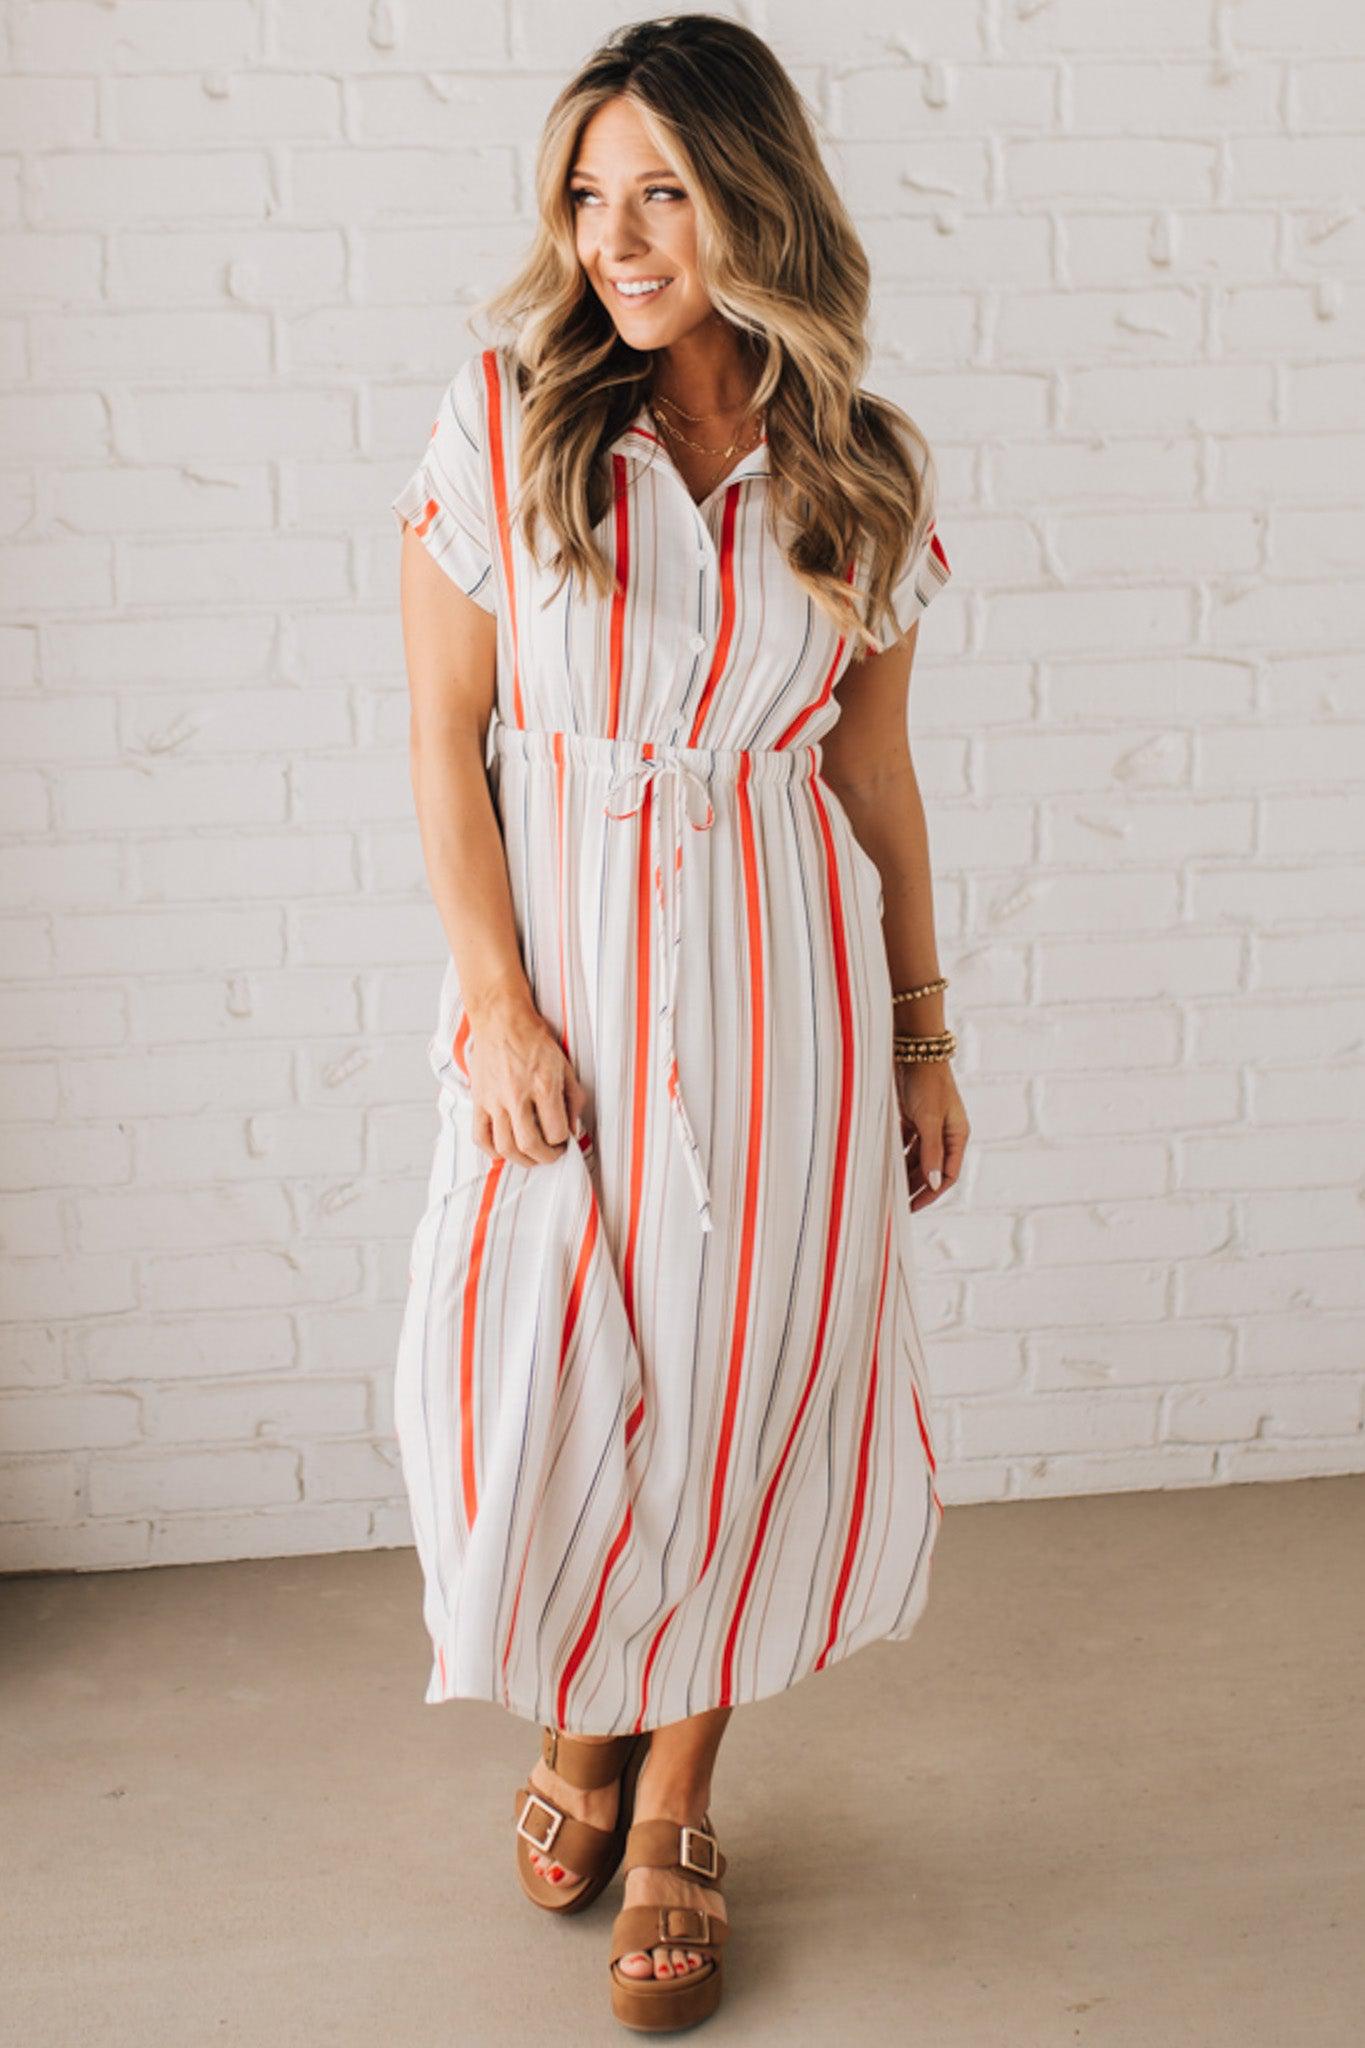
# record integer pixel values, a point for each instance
(933, 1177)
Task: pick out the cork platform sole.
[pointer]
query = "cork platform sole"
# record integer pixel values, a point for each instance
(662, 2005)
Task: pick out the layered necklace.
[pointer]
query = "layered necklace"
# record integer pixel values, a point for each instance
(721, 456)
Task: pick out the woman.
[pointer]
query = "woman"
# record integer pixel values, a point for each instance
(660, 1396)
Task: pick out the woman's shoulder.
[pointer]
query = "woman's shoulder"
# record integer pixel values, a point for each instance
(486, 396)
(488, 372)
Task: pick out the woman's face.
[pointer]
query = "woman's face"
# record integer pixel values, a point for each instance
(635, 223)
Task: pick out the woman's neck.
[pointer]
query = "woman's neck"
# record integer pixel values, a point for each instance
(706, 375)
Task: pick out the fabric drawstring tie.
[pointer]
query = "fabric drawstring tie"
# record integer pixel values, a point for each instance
(690, 795)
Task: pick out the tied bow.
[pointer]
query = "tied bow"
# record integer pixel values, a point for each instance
(690, 795)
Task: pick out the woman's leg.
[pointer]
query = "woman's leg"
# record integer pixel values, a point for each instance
(597, 1807)
(675, 1784)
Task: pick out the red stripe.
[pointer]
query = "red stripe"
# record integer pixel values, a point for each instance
(498, 464)
(727, 611)
(923, 1431)
(753, 1165)
(459, 1042)
(834, 1244)
(621, 480)
(572, 1309)
(468, 1327)
(746, 1241)
(574, 1302)
(589, 1629)
(855, 1518)
(563, 919)
(832, 674)
(644, 1006)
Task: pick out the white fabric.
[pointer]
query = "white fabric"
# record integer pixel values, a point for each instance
(661, 1403)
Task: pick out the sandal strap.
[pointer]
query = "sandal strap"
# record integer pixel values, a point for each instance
(669, 1845)
(587, 1765)
(645, 1927)
(545, 1826)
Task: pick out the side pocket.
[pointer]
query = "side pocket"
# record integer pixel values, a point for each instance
(858, 854)
(876, 875)
(447, 1051)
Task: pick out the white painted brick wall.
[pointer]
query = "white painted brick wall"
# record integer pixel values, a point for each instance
(1120, 256)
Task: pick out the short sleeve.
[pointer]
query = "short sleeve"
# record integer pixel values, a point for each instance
(918, 584)
(445, 498)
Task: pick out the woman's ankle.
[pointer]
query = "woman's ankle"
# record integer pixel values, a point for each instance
(672, 1794)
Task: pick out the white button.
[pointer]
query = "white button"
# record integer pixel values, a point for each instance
(703, 551)
(697, 642)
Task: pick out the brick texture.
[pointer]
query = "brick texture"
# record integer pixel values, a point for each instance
(1120, 264)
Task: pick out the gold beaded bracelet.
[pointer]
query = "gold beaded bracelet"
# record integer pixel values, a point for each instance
(919, 1047)
(936, 1045)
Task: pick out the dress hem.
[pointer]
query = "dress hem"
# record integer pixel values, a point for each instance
(440, 1695)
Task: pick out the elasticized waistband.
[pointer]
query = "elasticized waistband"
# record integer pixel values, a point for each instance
(630, 768)
(609, 756)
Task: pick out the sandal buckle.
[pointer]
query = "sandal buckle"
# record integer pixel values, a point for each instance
(556, 1822)
(669, 1931)
(685, 1856)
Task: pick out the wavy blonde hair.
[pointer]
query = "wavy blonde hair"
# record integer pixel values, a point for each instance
(780, 259)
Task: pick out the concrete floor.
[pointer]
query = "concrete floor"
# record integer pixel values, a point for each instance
(1111, 1792)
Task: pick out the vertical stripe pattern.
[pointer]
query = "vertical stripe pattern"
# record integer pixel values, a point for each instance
(662, 1404)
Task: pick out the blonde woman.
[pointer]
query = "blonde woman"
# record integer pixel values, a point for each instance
(660, 1392)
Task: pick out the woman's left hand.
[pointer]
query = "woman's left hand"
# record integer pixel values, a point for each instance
(934, 1127)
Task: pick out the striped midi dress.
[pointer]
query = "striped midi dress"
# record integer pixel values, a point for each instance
(661, 1403)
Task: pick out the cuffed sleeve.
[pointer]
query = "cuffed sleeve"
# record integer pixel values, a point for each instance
(445, 499)
(915, 589)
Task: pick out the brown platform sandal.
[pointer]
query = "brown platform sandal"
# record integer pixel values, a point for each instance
(593, 1852)
(658, 2005)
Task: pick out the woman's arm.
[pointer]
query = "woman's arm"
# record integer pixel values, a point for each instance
(866, 761)
(517, 1066)
(451, 648)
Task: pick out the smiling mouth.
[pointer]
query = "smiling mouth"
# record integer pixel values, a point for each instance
(651, 290)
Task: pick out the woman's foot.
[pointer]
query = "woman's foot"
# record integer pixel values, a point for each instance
(646, 1886)
(597, 1807)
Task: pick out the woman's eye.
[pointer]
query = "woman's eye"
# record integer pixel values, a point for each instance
(580, 192)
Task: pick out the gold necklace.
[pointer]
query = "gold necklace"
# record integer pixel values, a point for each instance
(700, 449)
(721, 454)
(664, 399)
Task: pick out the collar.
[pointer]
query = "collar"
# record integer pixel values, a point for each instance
(642, 441)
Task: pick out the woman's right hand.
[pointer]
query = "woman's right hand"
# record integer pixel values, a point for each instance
(528, 1101)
